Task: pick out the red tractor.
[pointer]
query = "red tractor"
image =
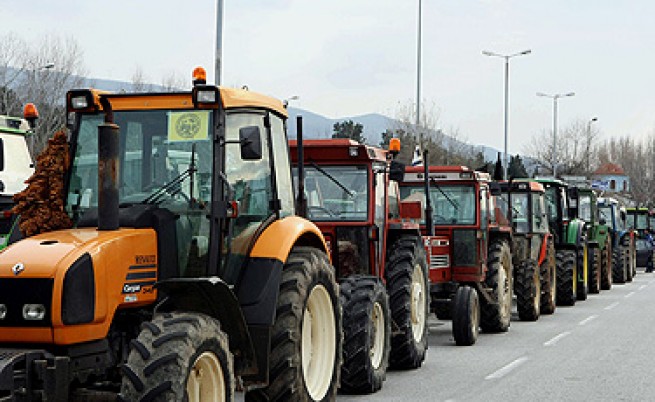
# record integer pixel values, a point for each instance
(468, 245)
(350, 192)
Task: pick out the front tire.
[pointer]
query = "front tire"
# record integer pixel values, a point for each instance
(406, 273)
(306, 336)
(549, 281)
(528, 290)
(466, 316)
(566, 278)
(495, 317)
(593, 269)
(179, 357)
(367, 334)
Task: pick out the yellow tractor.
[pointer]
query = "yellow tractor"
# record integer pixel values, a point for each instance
(186, 271)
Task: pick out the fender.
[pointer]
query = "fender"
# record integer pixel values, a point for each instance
(544, 248)
(213, 297)
(278, 238)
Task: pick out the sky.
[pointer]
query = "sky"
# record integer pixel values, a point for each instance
(344, 58)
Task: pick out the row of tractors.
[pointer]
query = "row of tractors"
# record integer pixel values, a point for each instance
(192, 268)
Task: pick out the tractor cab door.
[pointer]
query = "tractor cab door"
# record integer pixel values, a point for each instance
(379, 231)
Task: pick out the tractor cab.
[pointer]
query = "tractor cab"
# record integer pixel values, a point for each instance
(639, 220)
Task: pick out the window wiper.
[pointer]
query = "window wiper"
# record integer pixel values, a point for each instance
(175, 183)
(335, 181)
(453, 203)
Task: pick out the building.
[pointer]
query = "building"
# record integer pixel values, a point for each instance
(610, 177)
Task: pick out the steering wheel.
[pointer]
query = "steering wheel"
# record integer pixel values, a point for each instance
(439, 218)
(324, 210)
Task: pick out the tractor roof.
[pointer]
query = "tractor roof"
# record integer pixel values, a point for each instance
(549, 181)
(232, 98)
(521, 186)
(13, 125)
(337, 150)
(607, 201)
(414, 174)
(641, 210)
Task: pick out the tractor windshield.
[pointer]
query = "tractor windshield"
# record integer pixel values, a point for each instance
(605, 212)
(520, 212)
(336, 192)
(451, 204)
(584, 208)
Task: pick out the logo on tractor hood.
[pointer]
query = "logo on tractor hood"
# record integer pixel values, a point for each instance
(18, 268)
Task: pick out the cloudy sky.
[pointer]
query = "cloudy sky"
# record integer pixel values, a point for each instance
(351, 57)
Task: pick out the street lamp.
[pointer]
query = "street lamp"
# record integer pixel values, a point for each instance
(219, 42)
(289, 99)
(38, 92)
(555, 98)
(593, 119)
(418, 76)
(506, 57)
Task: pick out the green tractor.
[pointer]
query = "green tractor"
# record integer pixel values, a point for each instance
(621, 245)
(584, 205)
(570, 243)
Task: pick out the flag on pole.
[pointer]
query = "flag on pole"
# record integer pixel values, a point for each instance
(417, 159)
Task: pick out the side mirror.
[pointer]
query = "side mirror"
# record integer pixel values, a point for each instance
(250, 140)
(396, 171)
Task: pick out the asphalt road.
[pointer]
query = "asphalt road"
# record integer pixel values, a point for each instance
(597, 350)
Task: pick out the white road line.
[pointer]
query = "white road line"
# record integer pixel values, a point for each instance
(611, 306)
(556, 338)
(500, 373)
(641, 287)
(586, 320)
(629, 294)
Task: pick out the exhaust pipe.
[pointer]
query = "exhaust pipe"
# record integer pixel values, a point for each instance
(108, 143)
(429, 223)
(301, 200)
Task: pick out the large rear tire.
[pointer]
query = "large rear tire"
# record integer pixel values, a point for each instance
(366, 334)
(495, 317)
(406, 273)
(306, 336)
(620, 271)
(527, 287)
(549, 281)
(566, 278)
(593, 269)
(466, 316)
(179, 357)
(606, 266)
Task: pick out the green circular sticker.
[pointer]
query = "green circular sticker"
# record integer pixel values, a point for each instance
(188, 125)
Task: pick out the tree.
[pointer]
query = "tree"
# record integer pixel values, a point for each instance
(349, 129)
(516, 169)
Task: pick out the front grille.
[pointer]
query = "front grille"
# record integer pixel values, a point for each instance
(439, 261)
(16, 292)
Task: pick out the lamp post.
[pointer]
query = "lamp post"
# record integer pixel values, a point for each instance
(37, 93)
(219, 41)
(418, 76)
(593, 119)
(555, 98)
(506, 57)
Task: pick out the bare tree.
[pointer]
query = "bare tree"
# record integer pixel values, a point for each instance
(173, 82)
(139, 81)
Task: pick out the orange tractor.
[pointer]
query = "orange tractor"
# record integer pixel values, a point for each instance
(351, 193)
(186, 268)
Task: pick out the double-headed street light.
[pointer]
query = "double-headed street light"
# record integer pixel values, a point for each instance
(506, 57)
(555, 98)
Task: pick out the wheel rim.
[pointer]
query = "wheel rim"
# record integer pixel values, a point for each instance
(536, 281)
(505, 298)
(377, 337)
(206, 381)
(318, 342)
(475, 318)
(418, 303)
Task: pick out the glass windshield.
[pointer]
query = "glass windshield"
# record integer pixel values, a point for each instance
(642, 222)
(584, 208)
(551, 203)
(156, 148)
(336, 192)
(605, 212)
(451, 204)
(520, 212)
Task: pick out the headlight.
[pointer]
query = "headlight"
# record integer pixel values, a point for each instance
(33, 312)
(79, 102)
(3, 311)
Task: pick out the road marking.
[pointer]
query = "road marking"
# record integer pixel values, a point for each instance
(586, 320)
(500, 373)
(641, 287)
(556, 338)
(611, 306)
(629, 294)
